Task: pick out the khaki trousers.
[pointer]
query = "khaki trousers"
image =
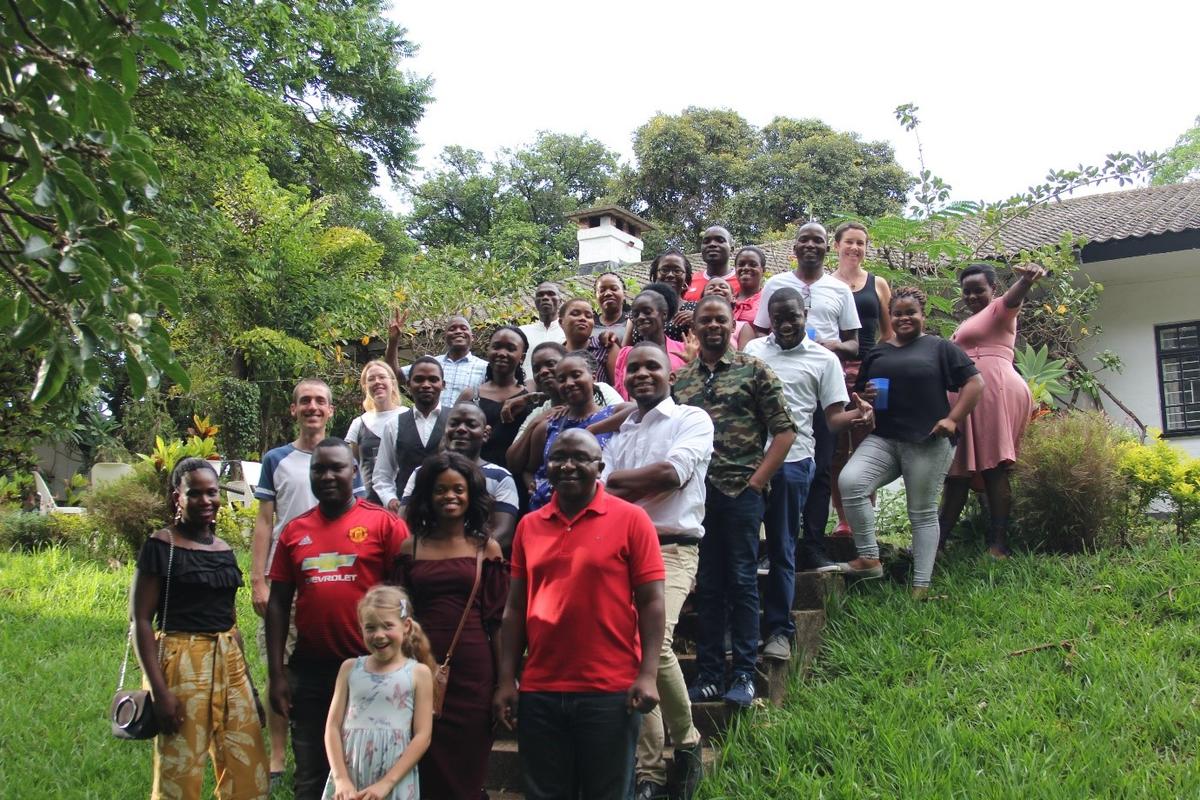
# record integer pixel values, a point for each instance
(207, 674)
(680, 562)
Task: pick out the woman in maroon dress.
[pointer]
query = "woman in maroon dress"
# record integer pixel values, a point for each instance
(448, 513)
(988, 443)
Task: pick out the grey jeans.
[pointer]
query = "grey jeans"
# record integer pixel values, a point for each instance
(878, 462)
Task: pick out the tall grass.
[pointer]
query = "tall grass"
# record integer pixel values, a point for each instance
(935, 699)
(62, 634)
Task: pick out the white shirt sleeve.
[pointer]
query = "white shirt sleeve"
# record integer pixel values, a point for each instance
(693, 444)
(533, 417)
(847, 320)
(610, 395)
(383, 478)
(355, 430)
(506, 499)
(406, 495)
(761, 318)
(833, 385)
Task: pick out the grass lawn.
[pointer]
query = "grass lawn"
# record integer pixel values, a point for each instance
(908, 700)
(936, 699)
(62, 634)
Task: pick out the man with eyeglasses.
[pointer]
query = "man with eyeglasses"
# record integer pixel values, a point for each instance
(832, 323)
(744, 396)
(587, 597)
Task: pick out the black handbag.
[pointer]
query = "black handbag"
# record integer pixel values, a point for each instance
(132, 711)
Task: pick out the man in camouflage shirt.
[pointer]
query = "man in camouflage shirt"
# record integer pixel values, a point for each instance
(746, 403)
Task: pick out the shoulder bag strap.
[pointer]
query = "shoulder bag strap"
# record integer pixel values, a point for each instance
(162, 620)
(467, 608)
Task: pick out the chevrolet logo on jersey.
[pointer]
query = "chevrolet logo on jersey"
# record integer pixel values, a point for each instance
(327, 562)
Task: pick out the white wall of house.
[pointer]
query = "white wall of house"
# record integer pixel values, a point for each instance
(1140, 293)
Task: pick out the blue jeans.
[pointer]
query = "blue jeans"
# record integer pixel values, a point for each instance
(727, 583)
(577, 745)
(784, 521)
(816, 506)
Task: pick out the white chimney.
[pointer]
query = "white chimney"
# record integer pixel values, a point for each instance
(608, 238)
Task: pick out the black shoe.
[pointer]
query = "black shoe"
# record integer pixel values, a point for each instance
(817, 563)
(648, 790)
(686, 771)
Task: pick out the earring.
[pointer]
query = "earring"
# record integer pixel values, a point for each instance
(178, 514)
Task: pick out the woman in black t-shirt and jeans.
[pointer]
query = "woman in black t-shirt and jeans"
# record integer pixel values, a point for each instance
(906, 378)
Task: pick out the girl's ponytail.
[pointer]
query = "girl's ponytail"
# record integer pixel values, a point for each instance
(416, 645)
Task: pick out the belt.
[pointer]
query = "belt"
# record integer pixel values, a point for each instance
(685, 540)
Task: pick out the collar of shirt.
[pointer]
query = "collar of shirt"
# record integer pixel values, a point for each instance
(446, 357)
(725, 360)
(665, 408)
(805, 344)
(431, 415)
(598, 506)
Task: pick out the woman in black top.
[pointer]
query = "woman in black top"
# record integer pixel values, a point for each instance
(906, 379)
(871, 297)
(673, 269)
(503, 380)
(195, 668)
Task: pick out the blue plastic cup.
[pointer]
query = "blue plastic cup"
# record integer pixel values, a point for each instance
(881, 398)
(811, 332)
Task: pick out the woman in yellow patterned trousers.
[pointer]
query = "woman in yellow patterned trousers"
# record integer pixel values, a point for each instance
(187, 579)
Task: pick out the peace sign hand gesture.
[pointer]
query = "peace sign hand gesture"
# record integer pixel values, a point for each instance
(396, 323)
(866, 413)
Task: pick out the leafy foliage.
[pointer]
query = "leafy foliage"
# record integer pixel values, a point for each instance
(1043, 375)
(85, 273)
(1070, 493)
(1181, 162)
(1165, 476)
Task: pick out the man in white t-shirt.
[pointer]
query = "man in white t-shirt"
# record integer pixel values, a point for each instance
(813, 385)
(546, 298)
(832, 323)
(284, 492)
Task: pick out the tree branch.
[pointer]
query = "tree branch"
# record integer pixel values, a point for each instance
(42, 223)
(1117, 402)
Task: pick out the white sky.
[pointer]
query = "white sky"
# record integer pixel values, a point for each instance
(1006, 90)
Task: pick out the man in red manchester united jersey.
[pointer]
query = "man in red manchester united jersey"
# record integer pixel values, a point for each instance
(326, 559)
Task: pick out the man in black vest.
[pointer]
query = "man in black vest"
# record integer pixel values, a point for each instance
(413, 434)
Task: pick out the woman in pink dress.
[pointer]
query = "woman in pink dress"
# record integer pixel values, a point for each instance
(988, 443)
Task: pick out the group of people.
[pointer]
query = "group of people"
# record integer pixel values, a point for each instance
(546, 510)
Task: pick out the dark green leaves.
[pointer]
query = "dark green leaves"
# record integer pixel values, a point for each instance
(85, 270)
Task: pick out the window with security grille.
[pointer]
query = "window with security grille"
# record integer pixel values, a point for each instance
(1179, 376)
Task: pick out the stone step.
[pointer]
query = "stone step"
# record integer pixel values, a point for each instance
(687, 629)
(504, 768)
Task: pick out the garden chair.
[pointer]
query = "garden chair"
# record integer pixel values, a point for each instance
(46, 504)
(108, 472)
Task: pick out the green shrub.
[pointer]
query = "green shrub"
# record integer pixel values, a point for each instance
(1070, 494)
(235, 524)
(1165, 477)
(132, 507)
(27, 531)
(239, 411)
(89, 535)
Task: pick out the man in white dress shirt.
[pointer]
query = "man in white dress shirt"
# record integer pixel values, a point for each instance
(414, 434)
(658, 460)
(546, 298)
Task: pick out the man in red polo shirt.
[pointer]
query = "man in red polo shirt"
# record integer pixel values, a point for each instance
(327, 559)
(587, 598)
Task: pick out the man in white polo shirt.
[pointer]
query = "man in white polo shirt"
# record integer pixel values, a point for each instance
(813, 385)
(658, 460)
(832, 323)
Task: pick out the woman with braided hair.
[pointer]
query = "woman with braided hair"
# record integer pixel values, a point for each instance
(906, 379)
